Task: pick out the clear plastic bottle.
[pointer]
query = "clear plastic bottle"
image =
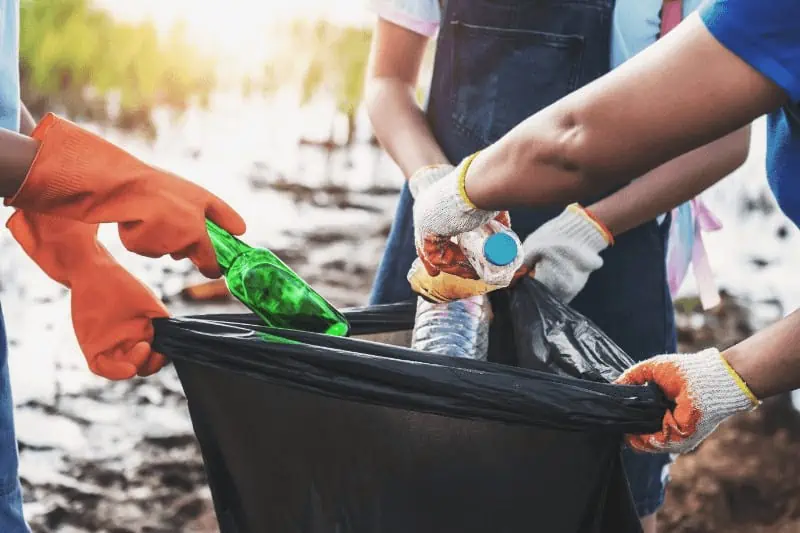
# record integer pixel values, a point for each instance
(457, 329)
(460, 328)
(493, 251)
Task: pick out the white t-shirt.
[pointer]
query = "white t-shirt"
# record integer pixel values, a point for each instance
(636, 23)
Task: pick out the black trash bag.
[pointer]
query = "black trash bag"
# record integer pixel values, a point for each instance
(305, 433)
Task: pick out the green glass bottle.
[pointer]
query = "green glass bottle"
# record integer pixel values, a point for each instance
(271, 289)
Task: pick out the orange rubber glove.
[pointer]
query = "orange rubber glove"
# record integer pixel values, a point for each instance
(706, 390)
(79, 176)
(111, 309)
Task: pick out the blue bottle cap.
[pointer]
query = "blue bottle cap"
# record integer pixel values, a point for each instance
(500, 249)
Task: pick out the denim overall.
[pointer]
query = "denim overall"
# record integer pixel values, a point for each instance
(11, 519)
(498, 62)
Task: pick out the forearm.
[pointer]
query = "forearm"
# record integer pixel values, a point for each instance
(16, 156)
(673, 183)
(400, 125)
(27, 124)
(679, 94)
(769, 361)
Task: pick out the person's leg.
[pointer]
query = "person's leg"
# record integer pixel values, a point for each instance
(11, 516)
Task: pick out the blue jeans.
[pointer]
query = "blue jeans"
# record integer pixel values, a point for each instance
(11, 517)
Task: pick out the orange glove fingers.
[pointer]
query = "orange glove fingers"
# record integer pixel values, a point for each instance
(429, 268)
(523, 271)
(150, 240)
(118, 364)
(154, 363)
(139, 358)
(444, 255)
(111, 309)
(204, 257)
(80, 176)
(112, 369)
(124, 323)
(224, 216)
(504, 218)
(677, 424)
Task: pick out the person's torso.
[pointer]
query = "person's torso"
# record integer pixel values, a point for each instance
(499, 62)
(9, 65)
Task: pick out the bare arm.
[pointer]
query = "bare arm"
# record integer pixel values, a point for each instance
(16, 156)
(397, 119)
(672, 183)
(769, 361)
(677, 95)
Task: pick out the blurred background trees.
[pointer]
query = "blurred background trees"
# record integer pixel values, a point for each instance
(76, 58)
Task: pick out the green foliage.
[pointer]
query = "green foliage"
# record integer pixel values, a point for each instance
(319, 56)
(69, 49)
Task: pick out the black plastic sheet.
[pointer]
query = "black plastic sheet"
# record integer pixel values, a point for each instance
(301, 432)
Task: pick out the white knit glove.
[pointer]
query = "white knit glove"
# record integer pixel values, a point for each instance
(443, 209)
(706, 390)
(427, 176)
(565, 250)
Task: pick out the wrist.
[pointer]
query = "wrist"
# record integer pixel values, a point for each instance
(17, 156)
(461, 175)
(738, 365)
(594, 221)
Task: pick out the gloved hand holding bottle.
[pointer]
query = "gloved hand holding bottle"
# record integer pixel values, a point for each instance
(77, 175)
(561, 254)
(64, 181)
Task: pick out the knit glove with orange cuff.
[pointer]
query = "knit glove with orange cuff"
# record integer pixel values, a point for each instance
(562, 253)
(111, 310)
(706, 390)
(78, 175)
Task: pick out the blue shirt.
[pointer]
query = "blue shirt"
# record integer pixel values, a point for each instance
(9, 65)
(766, 35)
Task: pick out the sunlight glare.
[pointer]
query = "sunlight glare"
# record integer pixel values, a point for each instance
(236, 31)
